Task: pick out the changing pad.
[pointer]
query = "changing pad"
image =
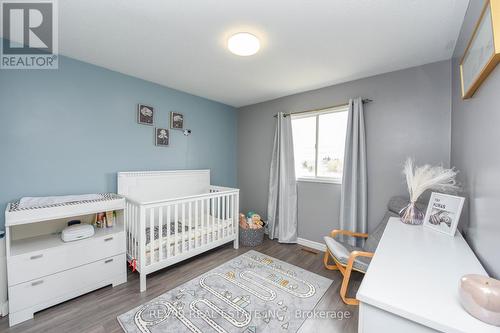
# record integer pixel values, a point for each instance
(30, 202)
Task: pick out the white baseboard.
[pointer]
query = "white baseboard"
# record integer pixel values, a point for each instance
(311, 244)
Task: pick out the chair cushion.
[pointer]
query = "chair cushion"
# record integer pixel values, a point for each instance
(342, 250)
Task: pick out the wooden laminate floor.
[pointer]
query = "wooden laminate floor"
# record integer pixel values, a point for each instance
(96, 312)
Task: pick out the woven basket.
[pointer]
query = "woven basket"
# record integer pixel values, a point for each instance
(251, 237)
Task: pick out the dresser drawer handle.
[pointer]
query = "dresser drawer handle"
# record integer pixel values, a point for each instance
(36, 283)
(38, 256)
(108, 261)
(108, 239)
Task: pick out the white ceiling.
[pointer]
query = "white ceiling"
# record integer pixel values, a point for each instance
(306, 44)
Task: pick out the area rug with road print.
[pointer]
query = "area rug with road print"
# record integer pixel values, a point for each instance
(252, 293)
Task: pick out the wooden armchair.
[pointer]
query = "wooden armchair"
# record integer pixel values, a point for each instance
(347, 258)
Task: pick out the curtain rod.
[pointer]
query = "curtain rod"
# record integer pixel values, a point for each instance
(365, 101)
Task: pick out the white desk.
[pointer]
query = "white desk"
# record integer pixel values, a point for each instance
(412, 283)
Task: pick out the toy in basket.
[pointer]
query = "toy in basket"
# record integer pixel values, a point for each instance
(251, 229)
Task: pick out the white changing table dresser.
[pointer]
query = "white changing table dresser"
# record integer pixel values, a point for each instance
(42, 270)
(411, 285)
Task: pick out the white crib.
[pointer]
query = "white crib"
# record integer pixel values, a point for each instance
(174, 215)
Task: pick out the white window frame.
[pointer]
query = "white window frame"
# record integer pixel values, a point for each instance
(316, 114)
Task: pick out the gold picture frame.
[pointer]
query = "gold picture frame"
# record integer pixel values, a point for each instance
(482, 53)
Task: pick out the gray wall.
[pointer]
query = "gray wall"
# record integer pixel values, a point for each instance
(474, 151)
(318, 209)
(410, 115)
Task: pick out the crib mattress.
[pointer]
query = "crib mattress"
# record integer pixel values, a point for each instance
(182, 236)
(182, 246)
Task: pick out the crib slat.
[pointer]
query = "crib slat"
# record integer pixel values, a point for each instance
(133, 234)
(137, 231)
(212, 209)
(127, 225)
(190, 215)
(196, 244)
(236, 214)
(203, 229)
(168, 231)
(128, 229)
(142, 237)
(151, 235)
(133, 230)
(183, 226)
(176, 227)
(219, 220)
(160, 233)
(216, 214)
(225, 209)
(230, 216)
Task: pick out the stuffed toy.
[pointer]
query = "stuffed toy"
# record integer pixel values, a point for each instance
(243, 222)
(251, 221)
(257, 220)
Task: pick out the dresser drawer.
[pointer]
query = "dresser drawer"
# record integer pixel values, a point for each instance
(29, 266)
(64, 285)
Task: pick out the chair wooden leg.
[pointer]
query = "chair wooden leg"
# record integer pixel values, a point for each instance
(345, 285)
(325, 262)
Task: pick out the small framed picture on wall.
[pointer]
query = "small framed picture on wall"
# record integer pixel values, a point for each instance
(162, 137)
(145, 114)
(443, 213)
(176, 120)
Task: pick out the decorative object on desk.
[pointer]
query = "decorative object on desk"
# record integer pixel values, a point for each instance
(76, 232)
(443, 213)
(105, 219)
(162, 137)
(483, 51)
(176, 120)
(480, 297)
(145, 114)
(420, 179)
(100, 220)
(110, 219)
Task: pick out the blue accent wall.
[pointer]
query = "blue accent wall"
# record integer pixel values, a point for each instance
(69, 131)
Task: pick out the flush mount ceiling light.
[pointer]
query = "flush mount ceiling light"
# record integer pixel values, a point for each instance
(243, 44)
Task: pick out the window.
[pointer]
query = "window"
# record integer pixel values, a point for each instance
(318, 143)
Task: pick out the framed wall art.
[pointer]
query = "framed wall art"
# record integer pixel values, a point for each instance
(483, 50)
(176, 120)
(162, 137)
(145, 114)
(443, 213)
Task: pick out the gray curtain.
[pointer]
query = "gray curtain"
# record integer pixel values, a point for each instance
(282, 200)
(353, 207)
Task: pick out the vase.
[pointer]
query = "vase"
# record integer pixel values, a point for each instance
(411, 214)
